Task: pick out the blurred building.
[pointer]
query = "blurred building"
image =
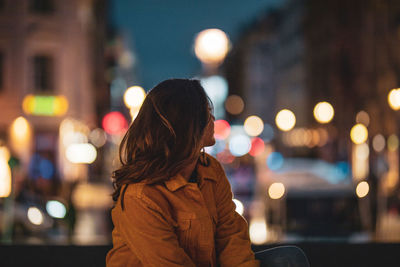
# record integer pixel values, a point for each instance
(267, 66)
(51, 49)
(343, 52)
(53, 94)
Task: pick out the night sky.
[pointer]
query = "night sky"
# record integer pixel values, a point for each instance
(161, 32)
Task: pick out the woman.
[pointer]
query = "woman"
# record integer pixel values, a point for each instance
(173, 202)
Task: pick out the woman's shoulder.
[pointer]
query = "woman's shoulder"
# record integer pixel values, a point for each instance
(148, 194)
(141, 190)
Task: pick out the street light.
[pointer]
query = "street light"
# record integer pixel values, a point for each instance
(394, 99)
(5, 172)
(285, 120)
(359, 134)
(253, 125)
(323, 112)
(134, 96)
(211, 46)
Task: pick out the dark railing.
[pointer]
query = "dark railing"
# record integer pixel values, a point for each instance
(320, 254)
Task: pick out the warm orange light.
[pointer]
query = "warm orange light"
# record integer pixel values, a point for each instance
(276, 190)
(253, 125)
(285, 120)
(359, 134)
(28, 104)
(211, 46)
(258, 231)
(21, 134)
(5, 172)
(323, 112)
(394, 99)
(134, 96)
(60, 105)
(362, 189)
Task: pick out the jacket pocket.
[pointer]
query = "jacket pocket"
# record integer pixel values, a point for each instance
(184, 230)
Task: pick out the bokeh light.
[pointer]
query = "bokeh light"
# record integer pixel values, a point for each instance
(359, 133)
(134, 112)
(5, 153)
(257, 146)
(258, 231)
(126, 59)
(393, 142)
(323, 112)
(239, 145)
(222, 129)
(275, 161)
(394, 99)
(211, 46)
(5, 172)
(225, 157)
(276, 190)
(21, 137)
(362, 151)
(218, 147)
(253, 125)
(363, 118)
(20, 128)
(35, 216)
(81, 153)
(134, 96)
(98, 137)
(56, 209)
(45, 105)
(216, 88)
(234, 104)
(46, 168)
(378, 143)
(268, 133)
(362, 189)
(73, 137)
(285, 120)
(239, 206)
(115, 123)
(323, 136)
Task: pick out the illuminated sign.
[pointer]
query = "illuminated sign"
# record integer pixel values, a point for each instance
(45, 105)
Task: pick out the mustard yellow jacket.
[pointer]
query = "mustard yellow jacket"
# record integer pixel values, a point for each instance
(181, 224)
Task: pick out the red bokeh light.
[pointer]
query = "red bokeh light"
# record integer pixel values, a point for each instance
(225, 157)
(222, 129)
(257, 146)
(115, 123)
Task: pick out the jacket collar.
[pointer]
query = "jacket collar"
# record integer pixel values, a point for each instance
(203, 173)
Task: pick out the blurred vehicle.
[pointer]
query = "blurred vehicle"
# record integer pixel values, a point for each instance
(312, 199)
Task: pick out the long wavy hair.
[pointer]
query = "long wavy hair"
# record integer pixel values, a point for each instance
(165, 136)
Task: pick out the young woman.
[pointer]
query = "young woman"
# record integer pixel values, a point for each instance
(173, 202)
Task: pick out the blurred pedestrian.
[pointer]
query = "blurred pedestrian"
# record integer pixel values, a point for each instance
(173, 202)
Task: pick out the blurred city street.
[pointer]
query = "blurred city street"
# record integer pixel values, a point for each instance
(306, 96)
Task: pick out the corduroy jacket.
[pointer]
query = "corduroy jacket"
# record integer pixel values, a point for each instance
(179, 223)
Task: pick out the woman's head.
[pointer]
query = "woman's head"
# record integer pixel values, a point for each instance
(173, 124)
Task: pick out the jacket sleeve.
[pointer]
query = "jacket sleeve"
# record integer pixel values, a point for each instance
(232, 238)
(149, 235)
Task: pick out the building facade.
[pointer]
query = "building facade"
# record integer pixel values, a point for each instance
(50, 49)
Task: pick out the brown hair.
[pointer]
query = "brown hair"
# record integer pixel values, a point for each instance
(165, 136)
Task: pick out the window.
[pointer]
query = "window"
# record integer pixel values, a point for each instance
(43, 73)
(42, 7)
